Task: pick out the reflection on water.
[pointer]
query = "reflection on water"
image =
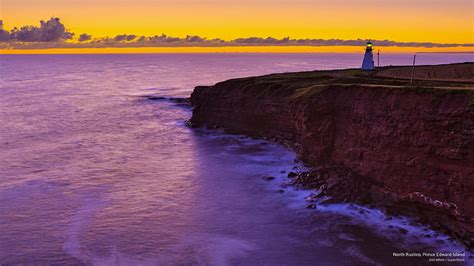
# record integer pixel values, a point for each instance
(93, 172)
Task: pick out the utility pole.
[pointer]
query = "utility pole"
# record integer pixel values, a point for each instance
(413, 69)
(378, 58)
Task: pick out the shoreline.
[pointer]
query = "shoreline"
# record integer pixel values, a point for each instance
(382, 226)
(371, 157)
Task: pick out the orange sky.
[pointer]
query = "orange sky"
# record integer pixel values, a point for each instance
(403, 20)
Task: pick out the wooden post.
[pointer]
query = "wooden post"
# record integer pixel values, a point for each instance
(413, 69)
(378, 58)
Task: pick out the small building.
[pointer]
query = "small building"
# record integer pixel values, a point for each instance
(368, 63)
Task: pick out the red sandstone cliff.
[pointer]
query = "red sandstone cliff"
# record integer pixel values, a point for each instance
(410, 149)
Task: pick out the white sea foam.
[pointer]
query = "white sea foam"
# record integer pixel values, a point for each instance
(211, 249)
(400, 229)
(81, 218)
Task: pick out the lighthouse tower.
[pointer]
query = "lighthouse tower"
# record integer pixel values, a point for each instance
(368, 63)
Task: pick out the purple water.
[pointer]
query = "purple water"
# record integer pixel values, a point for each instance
(94, 172)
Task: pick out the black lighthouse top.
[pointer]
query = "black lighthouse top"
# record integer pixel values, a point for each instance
(369, 46)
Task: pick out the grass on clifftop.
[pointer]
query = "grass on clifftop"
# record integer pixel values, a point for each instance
(310, 83)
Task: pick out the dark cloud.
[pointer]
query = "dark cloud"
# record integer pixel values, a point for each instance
(4, 35)
(194, 39)
(48, 31)
(163, 38)
(125, 37)
(26, 34)
(258, 40)
(53, 30)
(84, 37)
(337, 42)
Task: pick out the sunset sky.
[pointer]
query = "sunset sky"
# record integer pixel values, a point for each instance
(438, 21)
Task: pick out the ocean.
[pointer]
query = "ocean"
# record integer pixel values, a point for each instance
(96, 168)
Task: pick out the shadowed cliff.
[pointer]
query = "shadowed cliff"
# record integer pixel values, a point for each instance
(371, 137)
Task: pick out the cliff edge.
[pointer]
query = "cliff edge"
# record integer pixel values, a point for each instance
(371, 137)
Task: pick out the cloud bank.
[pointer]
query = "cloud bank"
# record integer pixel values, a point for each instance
(49, 31)
(53, 34)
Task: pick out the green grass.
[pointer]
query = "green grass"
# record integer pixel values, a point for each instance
(308, 91)
(306, 84)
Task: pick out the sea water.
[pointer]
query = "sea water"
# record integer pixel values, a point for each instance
(92, 171)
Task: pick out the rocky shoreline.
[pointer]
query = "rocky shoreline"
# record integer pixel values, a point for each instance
(370, 138)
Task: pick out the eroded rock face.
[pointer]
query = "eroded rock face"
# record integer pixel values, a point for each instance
(410, 150)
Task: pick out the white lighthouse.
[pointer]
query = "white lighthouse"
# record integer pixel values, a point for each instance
(368, 63)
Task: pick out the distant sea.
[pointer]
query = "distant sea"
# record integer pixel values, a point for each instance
(93, 171)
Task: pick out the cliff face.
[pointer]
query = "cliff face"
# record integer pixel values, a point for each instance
(412, 148)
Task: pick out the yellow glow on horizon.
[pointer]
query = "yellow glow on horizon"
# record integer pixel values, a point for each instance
(234, 49)
(402, 20)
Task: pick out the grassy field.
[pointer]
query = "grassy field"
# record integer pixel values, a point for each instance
(305, 84)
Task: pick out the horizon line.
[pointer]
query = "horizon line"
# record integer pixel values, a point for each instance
(233, 49)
